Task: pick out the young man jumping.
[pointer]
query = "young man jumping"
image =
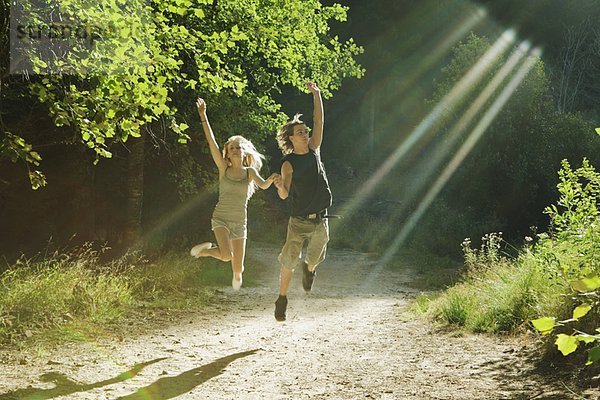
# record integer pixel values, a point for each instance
(304, 181)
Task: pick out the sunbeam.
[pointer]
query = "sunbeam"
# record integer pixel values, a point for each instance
(453, 136)
(184, 211)
(417, 59)
(425, 129)
(427, 59)
(464, 150)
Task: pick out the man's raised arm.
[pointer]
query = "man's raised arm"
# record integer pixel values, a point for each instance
(317, 132)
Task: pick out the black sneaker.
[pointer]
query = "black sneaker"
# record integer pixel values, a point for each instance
(280, 307)
(307, 277)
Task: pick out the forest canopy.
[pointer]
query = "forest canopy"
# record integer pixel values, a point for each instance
(144, 61)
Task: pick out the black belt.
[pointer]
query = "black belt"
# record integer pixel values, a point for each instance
(317, 216)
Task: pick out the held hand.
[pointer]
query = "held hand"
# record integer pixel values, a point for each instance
(312, 87)
(277, 181)
(201, 104)
(272, 177)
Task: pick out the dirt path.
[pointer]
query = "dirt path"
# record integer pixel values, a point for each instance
(349, 339)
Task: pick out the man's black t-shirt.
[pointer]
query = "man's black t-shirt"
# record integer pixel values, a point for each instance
(309, 190)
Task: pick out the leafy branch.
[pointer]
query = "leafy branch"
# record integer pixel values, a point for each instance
(574, 243)
(16, 149)
(567, 344)
(143, 59)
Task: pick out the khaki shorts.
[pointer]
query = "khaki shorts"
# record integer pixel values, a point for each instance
(236, 230)
(316, 232)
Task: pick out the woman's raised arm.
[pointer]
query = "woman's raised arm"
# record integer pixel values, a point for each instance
(210, 137)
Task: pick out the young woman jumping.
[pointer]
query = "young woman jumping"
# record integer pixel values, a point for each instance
(238, 166)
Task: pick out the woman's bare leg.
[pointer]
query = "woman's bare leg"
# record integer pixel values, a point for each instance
(237, 257)
(223, 250)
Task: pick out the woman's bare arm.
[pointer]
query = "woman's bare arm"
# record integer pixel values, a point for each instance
(210, 137)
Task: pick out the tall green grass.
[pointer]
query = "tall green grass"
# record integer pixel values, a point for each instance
(76, 288)
(59, 289)
(498, 293)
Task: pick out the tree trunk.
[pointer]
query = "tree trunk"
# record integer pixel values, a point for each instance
(135, 192)
(77, 198)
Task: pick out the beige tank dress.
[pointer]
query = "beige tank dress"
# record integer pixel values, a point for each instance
(231, 209)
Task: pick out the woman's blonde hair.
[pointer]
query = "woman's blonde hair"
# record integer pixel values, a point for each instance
(252, 158)
(284, 133)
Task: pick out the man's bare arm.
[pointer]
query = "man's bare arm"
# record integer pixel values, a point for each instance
(284, 182)
(318, 120)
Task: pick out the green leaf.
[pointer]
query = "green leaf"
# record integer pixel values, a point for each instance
(581, 310)
(239, 87)
(585, 338)
(37, 179)
(587, 284)
(35, 155)
(598, 131)
(544, 325)
(126, 125)
(192, 84)
(566, 344)
(593, 355)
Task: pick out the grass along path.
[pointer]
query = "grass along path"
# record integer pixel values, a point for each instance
(351, 338)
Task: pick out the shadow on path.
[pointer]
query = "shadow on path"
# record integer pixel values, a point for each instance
(173, 386)
(524, 377)
(65, 386)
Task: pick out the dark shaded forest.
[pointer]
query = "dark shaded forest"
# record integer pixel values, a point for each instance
(414, 53)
